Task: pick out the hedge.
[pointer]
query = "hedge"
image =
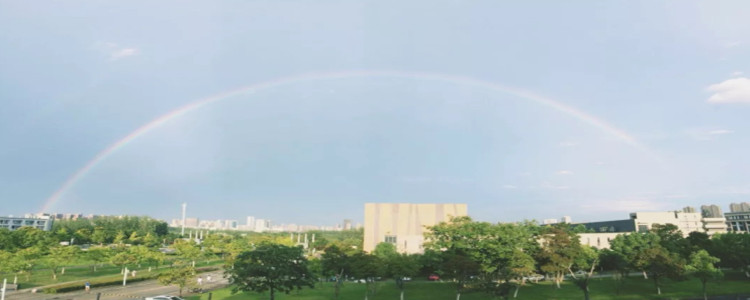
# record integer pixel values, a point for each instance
(108, 281)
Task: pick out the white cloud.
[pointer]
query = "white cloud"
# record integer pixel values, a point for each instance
(732, 44)
(114, 51)
(549, 186)
(703, 134)
(735, 90)
(125, 52)
(564, 172)
(720, 131)
(737, 73)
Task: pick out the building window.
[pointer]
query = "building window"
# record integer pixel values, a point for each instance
(391, 239)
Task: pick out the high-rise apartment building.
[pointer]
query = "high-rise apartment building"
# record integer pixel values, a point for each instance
(711, 211)
(404, 224)
(739, 207)
(688, 209)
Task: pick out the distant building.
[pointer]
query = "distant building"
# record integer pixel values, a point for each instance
(688, 209)
(347, 224)
(262, 225)
(191, 222)
(564, 219)
(617, 226)
(711, 211)
(714, 225)
(685, 222)
(403, 224)
(739, 207)
(598, 240)
(13, 223)
(738, 221)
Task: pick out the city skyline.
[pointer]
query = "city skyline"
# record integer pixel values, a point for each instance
(307, 114)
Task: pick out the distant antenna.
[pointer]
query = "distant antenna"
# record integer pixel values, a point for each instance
(184, 207)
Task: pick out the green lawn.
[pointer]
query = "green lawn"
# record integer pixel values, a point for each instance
(41, 277)
(633, 288)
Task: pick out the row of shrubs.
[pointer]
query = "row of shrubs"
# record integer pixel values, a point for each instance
(109, 281)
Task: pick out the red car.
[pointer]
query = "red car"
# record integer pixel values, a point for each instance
(433, 277)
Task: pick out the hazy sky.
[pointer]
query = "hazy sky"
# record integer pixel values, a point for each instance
(77, 77)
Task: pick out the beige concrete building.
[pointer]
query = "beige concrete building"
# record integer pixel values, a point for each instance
(598, 240)
(403, 224)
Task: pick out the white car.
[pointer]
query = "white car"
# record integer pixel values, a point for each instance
(164, 297)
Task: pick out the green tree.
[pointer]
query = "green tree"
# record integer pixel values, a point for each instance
(99, 236)
(733, 249)
(461, 268)
(633, 248)
(585, 262)
(150, 241)
(401, 266)
(134, 238)
(699, 241)
(702, 266)
(28, 258)
(502, 251)
(58, 256)
(122, 259)
(161, 229)
(366, 267)
(613, 261)
(385, 250)
(82, 236)
(671, 239)
(98, 255)
(560, 250)
(271, 268)
(660, 264)
(188, 251)
(120, 238)
(335, 262)
(181, 276)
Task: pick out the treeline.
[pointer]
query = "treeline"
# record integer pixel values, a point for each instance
(104, 230)
(134, 243)
(500, 258)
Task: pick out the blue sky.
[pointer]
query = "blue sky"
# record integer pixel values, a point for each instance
(78, 77)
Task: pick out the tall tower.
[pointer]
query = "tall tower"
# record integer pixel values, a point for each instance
(184, 207)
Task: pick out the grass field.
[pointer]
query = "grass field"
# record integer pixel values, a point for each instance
(41, 277)
(601, 289)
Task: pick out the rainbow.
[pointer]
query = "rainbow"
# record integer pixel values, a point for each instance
(455, 79)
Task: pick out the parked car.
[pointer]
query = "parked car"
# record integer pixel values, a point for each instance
(406, 279)
(164, 297)
(433, 277)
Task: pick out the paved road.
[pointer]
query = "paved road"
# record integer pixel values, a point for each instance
(138, 290)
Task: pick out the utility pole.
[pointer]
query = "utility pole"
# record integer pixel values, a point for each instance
(3, 289)
(125, 277)
(184, 207)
